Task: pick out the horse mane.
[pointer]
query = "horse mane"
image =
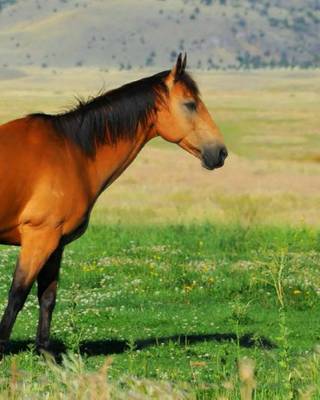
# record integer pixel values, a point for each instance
(116, 114)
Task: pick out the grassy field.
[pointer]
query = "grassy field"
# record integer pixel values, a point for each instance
(217, 292)
(183, 304)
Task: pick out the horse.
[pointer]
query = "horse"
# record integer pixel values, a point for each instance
(54, 167)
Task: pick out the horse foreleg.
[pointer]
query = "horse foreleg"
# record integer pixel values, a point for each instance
(37, 244)
(47, 290)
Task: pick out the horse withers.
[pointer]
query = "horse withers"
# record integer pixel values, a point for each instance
(53, 168)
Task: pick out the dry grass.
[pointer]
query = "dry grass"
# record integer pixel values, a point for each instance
(71, 381)
(271, 125)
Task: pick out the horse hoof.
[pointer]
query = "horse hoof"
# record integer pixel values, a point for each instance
(43, 350)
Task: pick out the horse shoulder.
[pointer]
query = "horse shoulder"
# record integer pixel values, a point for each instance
(61, 193)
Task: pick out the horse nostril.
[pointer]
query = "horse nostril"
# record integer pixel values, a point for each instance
(223, 154)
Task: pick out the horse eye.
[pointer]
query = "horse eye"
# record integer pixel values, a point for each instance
(191, 106)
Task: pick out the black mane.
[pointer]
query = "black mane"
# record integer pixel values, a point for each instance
(114, 115)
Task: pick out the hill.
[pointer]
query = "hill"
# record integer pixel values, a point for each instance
(135, 33)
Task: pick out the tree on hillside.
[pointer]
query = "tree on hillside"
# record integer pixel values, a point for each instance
(4, 3)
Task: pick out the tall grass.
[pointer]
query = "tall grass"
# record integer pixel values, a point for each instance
(71, 381)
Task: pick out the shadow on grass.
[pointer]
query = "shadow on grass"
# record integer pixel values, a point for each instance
(106, 347)
(109, 346)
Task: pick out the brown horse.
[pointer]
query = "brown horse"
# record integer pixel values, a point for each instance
(53, 168)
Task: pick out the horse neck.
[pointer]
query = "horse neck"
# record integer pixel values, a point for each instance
(111, 160)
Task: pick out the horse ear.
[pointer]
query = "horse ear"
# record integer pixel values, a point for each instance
(180, 67)
(184, 62)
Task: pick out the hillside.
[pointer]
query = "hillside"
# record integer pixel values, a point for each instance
(135, 33)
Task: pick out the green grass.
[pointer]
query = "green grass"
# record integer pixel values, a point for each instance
(127, 287)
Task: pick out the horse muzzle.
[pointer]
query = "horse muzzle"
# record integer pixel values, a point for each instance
(213, 156)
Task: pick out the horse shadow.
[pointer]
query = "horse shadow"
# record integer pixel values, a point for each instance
(90, 348)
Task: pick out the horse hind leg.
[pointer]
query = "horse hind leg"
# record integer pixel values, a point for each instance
(38, 243)
(47, 291)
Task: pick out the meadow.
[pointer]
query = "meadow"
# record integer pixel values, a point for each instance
(188, 284)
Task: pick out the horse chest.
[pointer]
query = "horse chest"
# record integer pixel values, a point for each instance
(76, 233)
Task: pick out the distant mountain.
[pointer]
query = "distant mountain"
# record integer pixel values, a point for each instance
(138, 33)
(6, 2)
